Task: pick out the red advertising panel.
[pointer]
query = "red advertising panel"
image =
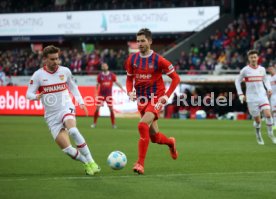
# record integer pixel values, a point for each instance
(13, 101)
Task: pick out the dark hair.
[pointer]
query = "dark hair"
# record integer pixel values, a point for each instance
(144, 31)
(50, 50)
(252, 52)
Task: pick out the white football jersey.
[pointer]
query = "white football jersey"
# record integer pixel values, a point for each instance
(272, 80)
(255, 79)
(55, 86)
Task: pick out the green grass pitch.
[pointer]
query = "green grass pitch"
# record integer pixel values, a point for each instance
(217, 160)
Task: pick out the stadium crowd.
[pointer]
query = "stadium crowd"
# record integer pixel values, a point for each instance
(25, 62)
(227, 49)
(224, 50)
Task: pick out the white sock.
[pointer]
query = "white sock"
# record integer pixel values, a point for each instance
(257, 126)
(274, 119)
(269, 123)
(80, 142)
(74, 154)
(86, 152)
(76, 136)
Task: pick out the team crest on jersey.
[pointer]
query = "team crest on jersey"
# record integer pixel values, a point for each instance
(150, 66)
(61, 77)
(31, 82)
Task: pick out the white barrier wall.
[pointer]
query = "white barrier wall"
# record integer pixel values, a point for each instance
(92, 80)
(13, 101)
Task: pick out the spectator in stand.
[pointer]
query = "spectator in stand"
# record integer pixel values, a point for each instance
(2, 77)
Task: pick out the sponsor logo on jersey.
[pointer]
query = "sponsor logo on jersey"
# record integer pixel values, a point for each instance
(106, 83)
(143, 76)
(61, 77)
(254, 79)
(53, 88)
(45, 80)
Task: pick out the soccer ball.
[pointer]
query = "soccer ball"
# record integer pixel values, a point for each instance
(117, 160)
(201, 114)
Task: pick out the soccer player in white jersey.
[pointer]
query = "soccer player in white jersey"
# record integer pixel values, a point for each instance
(272, 71)
(53, 81)
(256, 96)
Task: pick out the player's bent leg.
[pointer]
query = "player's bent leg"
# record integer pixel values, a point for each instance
(148, 118)
(257, 125)
(63, 141)
(269, 124)
(255, 110)
(160, 138)
(81, 144)
(79, 139)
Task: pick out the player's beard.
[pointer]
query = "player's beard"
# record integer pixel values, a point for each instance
(143, 49)
(52, 67)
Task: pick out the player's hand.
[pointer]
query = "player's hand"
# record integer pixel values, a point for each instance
(38, 96)
(269, 93)
(132, 96)
(242, 98)
(83, 107)
(162, 101)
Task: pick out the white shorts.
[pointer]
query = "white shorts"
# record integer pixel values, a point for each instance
(56, 120)
(273, 102)
(255, 108)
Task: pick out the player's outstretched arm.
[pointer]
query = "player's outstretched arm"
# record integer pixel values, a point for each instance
(175, 81)
(129, 86)
(74, 88)
(238, 82)
(76, 93)
(83, 107)
(120, 86)
(267, 85)
(129, 80)
(97, 89)
(32, 89)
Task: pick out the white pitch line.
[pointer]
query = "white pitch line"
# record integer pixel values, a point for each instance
(98, 176)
